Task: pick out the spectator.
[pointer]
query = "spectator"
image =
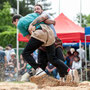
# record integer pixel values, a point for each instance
(7, 53)
(10, 47)
(12, 65)
(71, 59)
(68, 58)
(65, 61)
(3, 63)
(76, 53)
(50, 69)
(10, 50)
(13, 60)
(76, 63)
(81, 52)
(72, 50)
(22, 66)
(35, 55)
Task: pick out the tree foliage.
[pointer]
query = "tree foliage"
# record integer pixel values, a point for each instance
(88, 19)
(85, 20)
(10, 38)
(7, 32)
(1, 3)
(24, 9)
(46, 6)
(5, 17)
(7, 28)
(23, 6)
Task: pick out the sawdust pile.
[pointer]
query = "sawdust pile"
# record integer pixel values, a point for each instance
(46, 80)
(45, 83)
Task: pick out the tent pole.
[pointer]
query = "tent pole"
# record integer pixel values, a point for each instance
(59, 6)
(80, 58)
(89, 51)
(80, 12)
(85, 57)
(17, 41)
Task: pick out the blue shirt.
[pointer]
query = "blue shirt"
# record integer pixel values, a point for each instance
(2, 55)
(25, 21)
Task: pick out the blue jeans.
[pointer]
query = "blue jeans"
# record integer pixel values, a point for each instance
(54, 72)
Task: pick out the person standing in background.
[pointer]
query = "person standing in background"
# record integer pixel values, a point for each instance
(9, 51)
(3, 63)
(81, 52)
(50, 69)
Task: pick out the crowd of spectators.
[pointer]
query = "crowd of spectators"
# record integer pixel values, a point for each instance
(8, 64)
(9, 71)
(74, 58)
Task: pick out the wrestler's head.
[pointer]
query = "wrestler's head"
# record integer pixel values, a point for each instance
(38, 8)
(15, 19)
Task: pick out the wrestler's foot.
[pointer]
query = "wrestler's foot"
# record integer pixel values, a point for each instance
(39, 72)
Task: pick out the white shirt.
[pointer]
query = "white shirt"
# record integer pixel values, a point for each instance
(76, 65)
(8, 52)
(82, 51)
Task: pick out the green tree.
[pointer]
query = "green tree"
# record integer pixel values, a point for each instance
(24, 6)
(1, 4)
(88, 20)
(5, 17)
(46, 6)
(83, 21)
(25, 10)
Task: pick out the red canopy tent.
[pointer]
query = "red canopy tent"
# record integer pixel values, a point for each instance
(67, 30)
(21, 38)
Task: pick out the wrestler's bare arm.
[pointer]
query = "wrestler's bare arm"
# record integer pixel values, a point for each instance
(39, 19)
(43, 18)
(48, 21)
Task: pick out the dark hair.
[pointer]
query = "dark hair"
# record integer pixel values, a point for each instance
(16, 16)
(39, 6)
(69, 53)
(82, 45)
(76, 52)
(9, 45)
(77, 58)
